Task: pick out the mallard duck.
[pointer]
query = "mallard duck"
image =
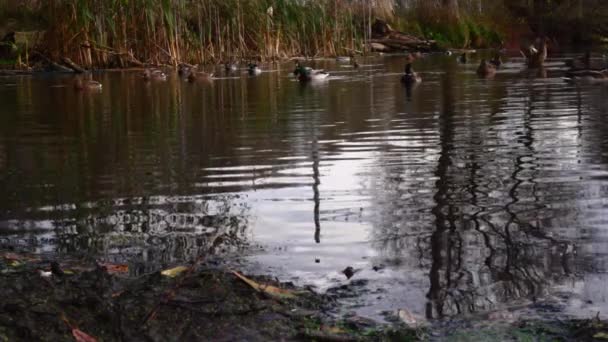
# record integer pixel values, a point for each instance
(253, 69)
(305, 74)
(536, 53)
(587, 76)
(154, 75)
(199, 76)
(231, 67)
(463, 58)
(184, 69)
(486, 69)
(79, 84)
(496, 60)
(410, 77)
(301, 69)
(582, 62)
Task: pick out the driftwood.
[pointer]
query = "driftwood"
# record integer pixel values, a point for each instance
(385, 39)
(53, 65)
(77, 68)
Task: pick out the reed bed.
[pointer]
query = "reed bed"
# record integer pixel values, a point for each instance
(119, 32)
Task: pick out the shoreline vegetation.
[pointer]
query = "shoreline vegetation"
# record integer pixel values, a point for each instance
(121, 34)
(135, 33)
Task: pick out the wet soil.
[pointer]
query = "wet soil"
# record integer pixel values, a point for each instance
(56, 302)
(72, 300)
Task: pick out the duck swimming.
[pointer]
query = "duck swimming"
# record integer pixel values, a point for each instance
(154, 75)
(587, 76)
(496, 60)
(582, 62)
(79, 84)
(253, 69)
(199, 76)
(410, 77)
(184, 69)
(231, 67)
(486, 69)
(305, 74)
(463, 58)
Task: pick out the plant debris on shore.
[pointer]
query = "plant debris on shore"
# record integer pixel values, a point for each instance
(91, 302)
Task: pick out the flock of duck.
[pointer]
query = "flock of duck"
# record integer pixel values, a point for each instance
(534, 54)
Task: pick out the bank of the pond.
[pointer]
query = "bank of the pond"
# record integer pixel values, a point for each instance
(74, 300)
(58, 301)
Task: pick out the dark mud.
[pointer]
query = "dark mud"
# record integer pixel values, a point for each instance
(40, 302)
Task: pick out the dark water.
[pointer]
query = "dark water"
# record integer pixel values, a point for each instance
(469, 195)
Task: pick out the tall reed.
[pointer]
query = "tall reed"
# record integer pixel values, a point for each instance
(114, 32)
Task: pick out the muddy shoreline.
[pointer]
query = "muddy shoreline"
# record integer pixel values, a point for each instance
(64, 300)
(54, 301)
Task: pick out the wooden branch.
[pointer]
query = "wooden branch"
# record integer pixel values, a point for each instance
(77, 68)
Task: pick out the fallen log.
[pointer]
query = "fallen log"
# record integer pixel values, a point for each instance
(53, 66)
(77, 68)
(386, 39)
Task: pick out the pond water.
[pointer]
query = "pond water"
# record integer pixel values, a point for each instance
(460, 196)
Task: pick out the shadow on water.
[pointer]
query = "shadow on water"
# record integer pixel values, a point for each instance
(458, 196)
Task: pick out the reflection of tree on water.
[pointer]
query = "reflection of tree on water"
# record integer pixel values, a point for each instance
(485, 247)
(517, 255)
(315, 188)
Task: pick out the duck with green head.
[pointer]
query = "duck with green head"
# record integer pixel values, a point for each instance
(253, 69)
(306, 74)
(410, 76)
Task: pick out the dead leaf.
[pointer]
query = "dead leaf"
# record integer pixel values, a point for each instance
(332, 330)
(601, 336)
(15, 263)
(268, 289)
(174, 272)
(407, 317)
(81, 336)
(115, 268)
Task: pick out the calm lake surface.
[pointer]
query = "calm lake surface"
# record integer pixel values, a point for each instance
(461, 196)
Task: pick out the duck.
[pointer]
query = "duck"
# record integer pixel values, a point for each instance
(536, 55)
(463, 58)
(79, 84)
(253, 69)
(486, 69)
(199, 76)
(154, 75)
(184, 69)
(300, 69)
(588, 75)
(305, 74)
(355, 64)
(230, 67)
(582, 62)
(410, 77)
(496, 60)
